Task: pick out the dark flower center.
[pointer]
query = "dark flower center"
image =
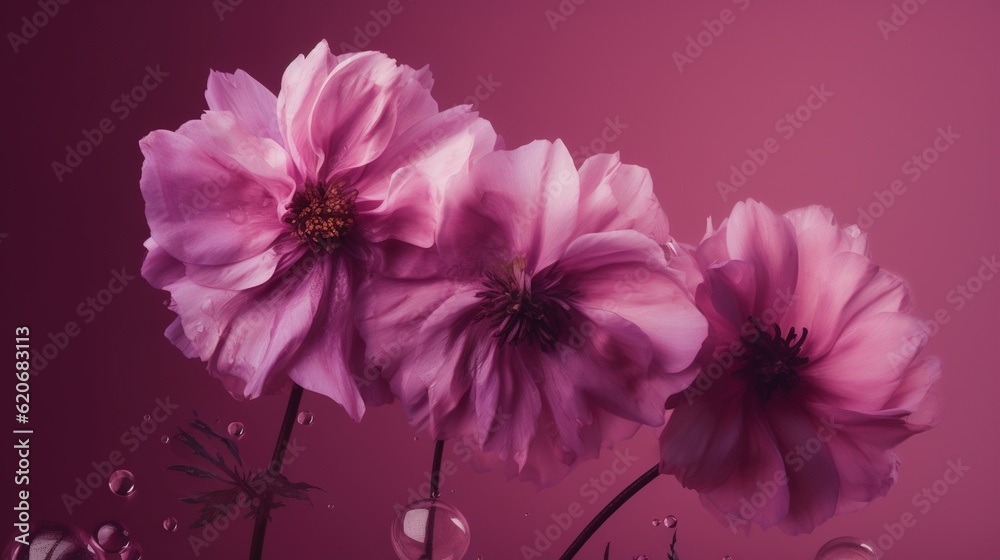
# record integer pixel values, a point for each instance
(522, 307)
(322, 216)
(770, 361)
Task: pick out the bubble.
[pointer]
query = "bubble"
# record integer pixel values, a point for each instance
(165, 439)
(449, 537)
(642, 557)
(121, 482)
(305, 418)
(727, 557)
(670, 521)
(111, 536)
(236, 429)
(133, 552)
(846, 548)
(53, 541)
(416, 438)
(656, 522)
(170, 524)
(147, 418)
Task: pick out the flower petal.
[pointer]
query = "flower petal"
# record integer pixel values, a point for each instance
(756, 234)
(615, 196)
(252, 103)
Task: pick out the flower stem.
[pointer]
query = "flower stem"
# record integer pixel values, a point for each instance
(274, 467)
(615, 503)
(435, 492)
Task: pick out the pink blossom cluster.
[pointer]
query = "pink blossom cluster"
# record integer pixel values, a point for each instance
(351, 237)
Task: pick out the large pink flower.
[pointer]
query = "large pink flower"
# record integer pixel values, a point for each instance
(267, 212)
(549, 325)
(815, 374)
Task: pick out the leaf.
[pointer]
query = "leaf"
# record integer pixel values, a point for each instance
(204, 428)
(607, 550)
(193, 471)
(672, 555)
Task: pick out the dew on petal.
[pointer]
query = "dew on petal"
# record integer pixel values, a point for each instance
(121, 482)
(111, 536)
(236, 429)
(846, 548)
(305, 418)
(449, 537)
(670, 521)
(170, 524)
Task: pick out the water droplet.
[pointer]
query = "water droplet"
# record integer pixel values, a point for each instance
(238, 216)
(436, 494)
(656, 523)
(329, 506)
(670, 521)
(208, 307)
(526, 514)
(416, 438)
(305, 418)
(133, 552)
(53, 541)
(199, 328)
(846, 548)
(165, 439)
(449, 531)
(642, 557)
(111, 536)
(170, 524)
(236, 429)
(121, 482)
(727, 557)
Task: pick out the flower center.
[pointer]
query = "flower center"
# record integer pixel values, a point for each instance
(322, 216)
(521, 307)
(770, 360)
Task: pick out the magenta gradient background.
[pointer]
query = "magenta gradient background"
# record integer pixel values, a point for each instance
(607, 60)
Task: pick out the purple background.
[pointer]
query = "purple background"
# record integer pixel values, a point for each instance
(605, 60)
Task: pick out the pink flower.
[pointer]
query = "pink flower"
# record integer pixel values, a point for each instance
(549, 327)
(815, 374)
(266, 213)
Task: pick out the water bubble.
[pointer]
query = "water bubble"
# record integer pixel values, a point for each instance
(846, 548)
(449, 536)
(670, 521)
(121, 482)
(416, 438)
(147, 418)
(236, 429)
(111, 536)
(208, 307)
(165, 439)
(53, 541)
(642, 557)
(238, 216)
(305, 418)
(133, 552)
(170, 524)
(329, 506)
(727, 557)
(656, 522)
